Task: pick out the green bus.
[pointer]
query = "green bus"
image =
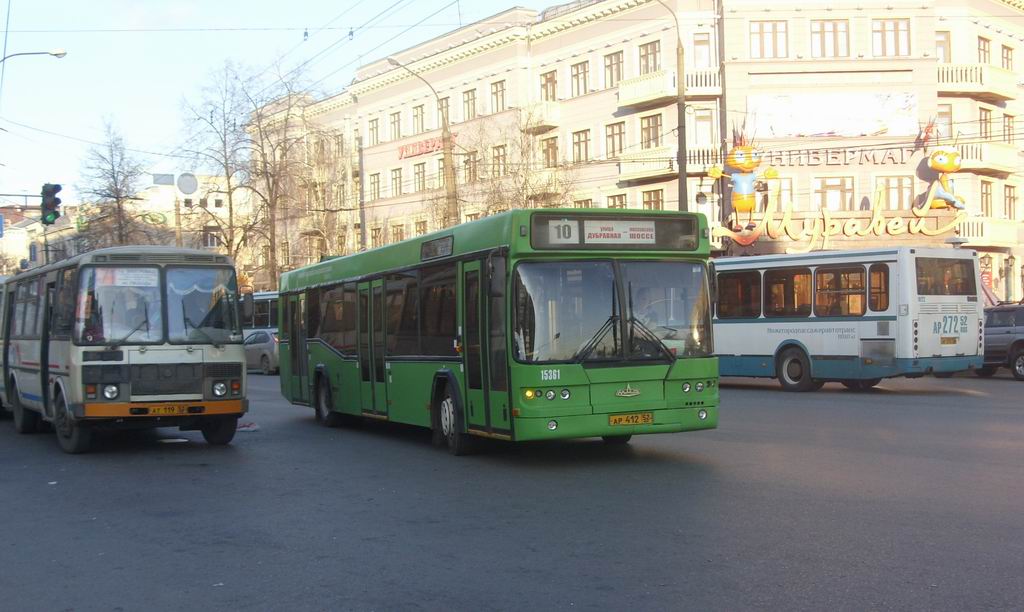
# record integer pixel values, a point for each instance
(526, 325)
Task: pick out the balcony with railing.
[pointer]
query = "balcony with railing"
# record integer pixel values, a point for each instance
(982, 81)
(645, 164)
(705, 83)
(647, 89)
(990, 158)
(992, 232)
(541, 116)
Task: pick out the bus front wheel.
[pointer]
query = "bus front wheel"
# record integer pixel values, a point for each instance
(324, 412)
(793, 369)
(220, 431)
(74, 437)
(450, 421)
(25, 420)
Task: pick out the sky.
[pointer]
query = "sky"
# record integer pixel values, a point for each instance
(134, 62)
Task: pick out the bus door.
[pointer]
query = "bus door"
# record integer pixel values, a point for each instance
(365, 358)
(380, 396)
(473, 331)
(493, 304)
(50, 295)
(297, 348)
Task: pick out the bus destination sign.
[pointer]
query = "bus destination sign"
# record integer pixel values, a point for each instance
(605, 231)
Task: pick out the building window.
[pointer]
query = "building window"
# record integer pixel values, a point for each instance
(834, 192)
(1010, 202)
(497, 96)
(890, 37)
(768, 40)
(1007, 57)
(376, 237)
(617, 201)
(286, 254)
(374, 132)
(419, 177)
(211, 237)
(650, 131)
(581, 146)
(469, 167)
(549, 86)
(374, 187)
(703, 120)
(781, 190)
(942, 47)
(830, 38)
(469, 105)
(549, 148)
(396, 126)
(440, 173)
(580, 78)
(654, 199)
(614, 139)
(583, 203)
(219, 203)
(897, 192)
(612, 69)
(985, 123)
(986, 198)
(203, 203)
(417, 119)
(499, 160)
(1008, 127)
(397, 233)
(944, 121)
(188, 202)
(421, 228)
(442, 112)
(650, 57)
(396, 182)
(984, 50)
(702, 58)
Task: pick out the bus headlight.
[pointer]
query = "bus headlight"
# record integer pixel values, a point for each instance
(220, 389)
(529, 394)
(111, 392)
(686, 387)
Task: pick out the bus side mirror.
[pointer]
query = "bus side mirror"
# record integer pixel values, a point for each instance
(248, 307)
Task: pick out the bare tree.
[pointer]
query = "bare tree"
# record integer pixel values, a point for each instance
(219, 145)
(112, 179)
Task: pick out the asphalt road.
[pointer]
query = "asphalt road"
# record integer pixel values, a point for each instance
(908, 497)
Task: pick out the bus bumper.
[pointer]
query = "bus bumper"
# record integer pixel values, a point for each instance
(595, 425)
(928, 365)
(139, 410)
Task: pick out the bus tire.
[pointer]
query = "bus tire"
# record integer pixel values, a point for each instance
(219, 431)
(324, 412)
(617, 440)
(25, 421)
(1017, 362)
(451, 423)
(985, 372)
(793, 369)
(73, 436)
(852, 385)
(870, 383)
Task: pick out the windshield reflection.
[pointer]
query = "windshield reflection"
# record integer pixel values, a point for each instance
(669, 300)
(118, 305)
(202, 305)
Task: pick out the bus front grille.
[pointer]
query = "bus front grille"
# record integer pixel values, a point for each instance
(167, 378)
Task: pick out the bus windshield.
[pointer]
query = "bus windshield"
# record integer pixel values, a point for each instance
(945, 276)
(202, 305)
(570, 311)
(117, 305)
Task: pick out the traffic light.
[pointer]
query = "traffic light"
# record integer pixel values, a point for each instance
(51, 203)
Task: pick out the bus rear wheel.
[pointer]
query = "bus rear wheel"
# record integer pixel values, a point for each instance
(25, 420)
(74, 437)
(793, 369)
(450, 422)
(219, 431)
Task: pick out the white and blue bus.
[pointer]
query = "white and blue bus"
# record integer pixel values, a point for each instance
(853, 317)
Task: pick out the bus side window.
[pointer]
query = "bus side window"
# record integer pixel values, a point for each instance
(18, 324)
(437, 310)
(64, 308)
(285, 331)
(739, 294)
(878, 300)
(787, 292)
(272, 317)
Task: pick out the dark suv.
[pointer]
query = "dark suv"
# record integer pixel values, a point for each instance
(1004, 340)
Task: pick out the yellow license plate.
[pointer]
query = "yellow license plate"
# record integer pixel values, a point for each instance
(636, 418)
(167, 410)
(949, 340)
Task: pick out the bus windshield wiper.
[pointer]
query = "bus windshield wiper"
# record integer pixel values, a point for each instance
(585, 350)
(113, 345)
(188, 322)
(651, 337)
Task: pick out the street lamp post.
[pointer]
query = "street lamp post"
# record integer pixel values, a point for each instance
(1007, 275)
(680, 110)
(451, 197)
(58, 53)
